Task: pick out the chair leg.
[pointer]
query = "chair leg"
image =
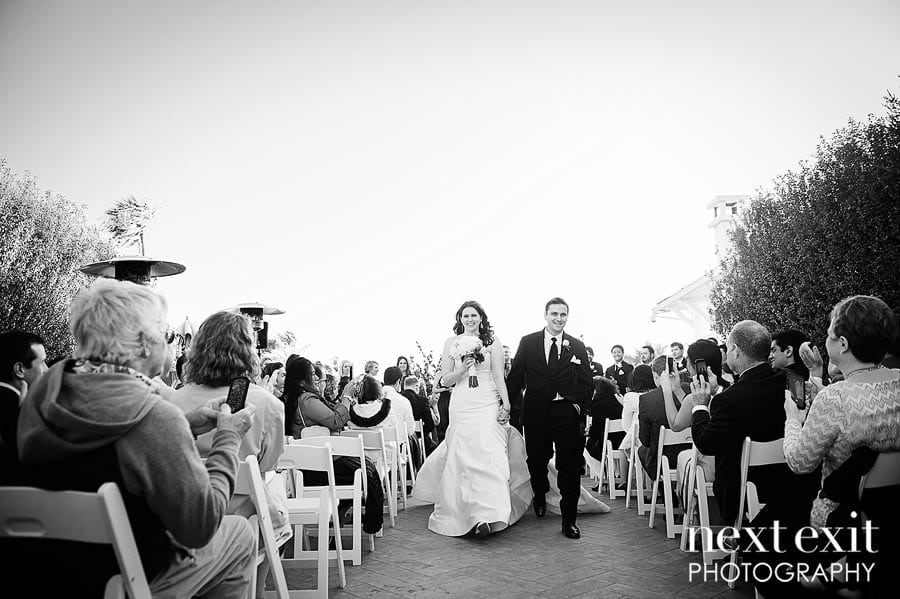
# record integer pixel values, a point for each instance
(688, 502)
(639, 479)
(671, 529)
(338, 544)
(654, 495)
(628, 485)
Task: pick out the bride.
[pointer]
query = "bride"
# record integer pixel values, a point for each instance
(477, 478)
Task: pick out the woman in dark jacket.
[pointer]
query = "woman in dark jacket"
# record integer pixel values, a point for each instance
(305, 407)
(603, 405)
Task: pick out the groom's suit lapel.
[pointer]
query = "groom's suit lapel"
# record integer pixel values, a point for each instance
(565, 352)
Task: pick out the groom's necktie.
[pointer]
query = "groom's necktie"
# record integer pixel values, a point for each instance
(554, 353)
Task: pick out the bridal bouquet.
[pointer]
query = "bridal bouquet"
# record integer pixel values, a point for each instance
(468, 347)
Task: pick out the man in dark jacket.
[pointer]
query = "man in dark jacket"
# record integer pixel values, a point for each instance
(421, 410)
(752, 407)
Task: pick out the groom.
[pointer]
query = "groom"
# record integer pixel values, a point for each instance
(555, 371)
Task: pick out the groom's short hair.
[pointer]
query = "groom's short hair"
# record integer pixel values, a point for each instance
(555, 300)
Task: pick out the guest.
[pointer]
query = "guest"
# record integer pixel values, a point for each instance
(346, 377)
(302, 399)
(751, 407)
(374, 410)
(421, 410)
(596, 367)
(677, 349)
(371, 368)
(863, 410)
(23, 360)
(224, 349)
(647, 354)
(99, 418)
(641, 382)
(403, 365)
(680, 403)
(403, 409)
(652, 416)
(785, 352)
(621, 370)
(605, 404)
(303, 404)
(441, 396)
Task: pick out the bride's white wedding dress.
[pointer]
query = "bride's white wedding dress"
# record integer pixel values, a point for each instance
(478, 474)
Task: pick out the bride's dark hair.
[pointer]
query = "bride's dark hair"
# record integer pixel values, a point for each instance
(485, 331)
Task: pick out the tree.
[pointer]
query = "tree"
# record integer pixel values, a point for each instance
(45, 239)
(127, 219)
(826, 231)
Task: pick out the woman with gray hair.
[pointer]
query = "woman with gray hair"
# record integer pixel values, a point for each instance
(98, 418)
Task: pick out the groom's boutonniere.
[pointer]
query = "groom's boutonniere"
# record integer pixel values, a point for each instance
(565, 345)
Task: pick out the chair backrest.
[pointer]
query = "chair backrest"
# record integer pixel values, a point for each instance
(420, 428)
(885, 472)
(99, 517)
(669, 437)
(612, 426)
(341, 446)
(373, 439)
(761, 453)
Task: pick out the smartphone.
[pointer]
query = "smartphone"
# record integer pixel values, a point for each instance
(797, 388)
(237, 393)
(670, 364)
(700, 366)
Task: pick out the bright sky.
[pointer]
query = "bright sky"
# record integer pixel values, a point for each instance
(368, 166)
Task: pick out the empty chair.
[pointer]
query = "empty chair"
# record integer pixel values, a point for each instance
(376, 450)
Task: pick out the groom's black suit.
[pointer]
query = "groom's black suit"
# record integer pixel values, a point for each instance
(548, 422)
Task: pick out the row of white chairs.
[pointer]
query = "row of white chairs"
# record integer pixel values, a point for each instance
(885, 472)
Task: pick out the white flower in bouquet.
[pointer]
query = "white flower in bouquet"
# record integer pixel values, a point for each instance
(468, 346)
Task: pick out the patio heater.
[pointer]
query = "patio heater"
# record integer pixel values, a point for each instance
(142, 270)
(256, 312)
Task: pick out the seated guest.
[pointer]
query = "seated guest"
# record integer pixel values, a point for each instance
(302, 398)
(403, 409)
(373, 410)
(596, 367)
(621, 370)
(22, 360)
(651, 416)
(863, 410)
(785, 352)
(421, 410)
(604, 404)
(752, 406)
(99, 418)
(641, 382)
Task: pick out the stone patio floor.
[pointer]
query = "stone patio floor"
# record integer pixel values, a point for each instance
(617, 556)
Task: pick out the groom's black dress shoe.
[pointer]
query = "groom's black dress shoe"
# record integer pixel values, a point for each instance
(540, 507)
(570, 530)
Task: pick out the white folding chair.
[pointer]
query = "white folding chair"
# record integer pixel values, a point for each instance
(249, 482)
(420, 437)
(373, 441)
(349, 447)
(701, 489)
(666, 476)
(320, 512)
(100, 517)
(753, 453)
(395, 437)
(609, 458)
(635, 473)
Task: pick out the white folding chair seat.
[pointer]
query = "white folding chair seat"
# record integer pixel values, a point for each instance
(320, 512)
(249, 482)
(100, 517)
(666, 476)
(373, 441)
(753, 453)
(356, 491)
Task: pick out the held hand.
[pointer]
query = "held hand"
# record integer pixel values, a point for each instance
(239, 421)
(469, 362)
(503, 414)
(700, 391)
(203, 419)
(791, 411)
(812, 358)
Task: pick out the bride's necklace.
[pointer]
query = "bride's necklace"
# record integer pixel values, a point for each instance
(866, 369)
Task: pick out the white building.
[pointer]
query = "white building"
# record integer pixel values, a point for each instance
(690, 304)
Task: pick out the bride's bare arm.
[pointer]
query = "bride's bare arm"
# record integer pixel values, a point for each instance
(450, 372)
(497, 368)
